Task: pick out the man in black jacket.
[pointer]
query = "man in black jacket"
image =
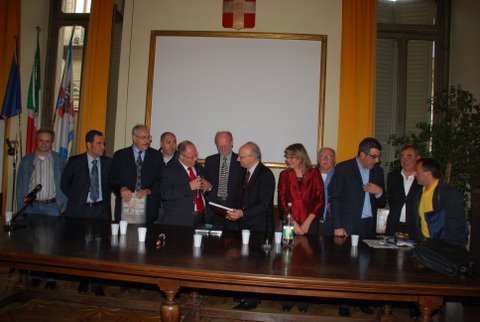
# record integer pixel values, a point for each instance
(85, 180)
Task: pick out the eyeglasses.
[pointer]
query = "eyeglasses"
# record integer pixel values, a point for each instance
(373, 156)
(191, 158)
(144, 137)
(245, 156)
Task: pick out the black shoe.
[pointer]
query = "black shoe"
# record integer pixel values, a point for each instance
(344, 311)
(83, 287)
(50, 285)
(365, 309)
(35, 282)
(413, 312)
(303, 309)
(98, 290)
(245, 305)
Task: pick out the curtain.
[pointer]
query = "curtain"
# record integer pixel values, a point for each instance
(357, 76)
(93, 102)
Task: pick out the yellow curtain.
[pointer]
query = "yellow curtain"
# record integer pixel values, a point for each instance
(9, 28)
(357, 75)
(93, 105)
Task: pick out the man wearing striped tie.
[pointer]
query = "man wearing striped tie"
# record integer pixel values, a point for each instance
(224, 173)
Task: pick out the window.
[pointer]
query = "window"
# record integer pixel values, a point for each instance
(410, 64)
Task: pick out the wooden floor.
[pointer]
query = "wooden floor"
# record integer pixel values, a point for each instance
(142, 303)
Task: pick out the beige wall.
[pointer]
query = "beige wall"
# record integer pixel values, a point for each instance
(465, 45)
(276, 16)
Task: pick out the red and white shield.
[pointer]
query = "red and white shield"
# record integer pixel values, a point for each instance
(238, 14)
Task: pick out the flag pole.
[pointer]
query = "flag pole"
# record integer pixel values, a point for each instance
(20, 114)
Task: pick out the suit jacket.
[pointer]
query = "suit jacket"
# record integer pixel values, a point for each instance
(124, 174)
(306, 199)
(396, 200)
(257, 200)
(447, 198)
(235, 176)
(178, 199)
(347, 195)
(75, 185)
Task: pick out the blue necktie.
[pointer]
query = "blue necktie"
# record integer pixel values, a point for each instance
(94, 186)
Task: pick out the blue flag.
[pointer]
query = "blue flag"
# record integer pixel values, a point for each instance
(12, 102)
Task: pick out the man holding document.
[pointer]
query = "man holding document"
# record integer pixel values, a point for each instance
(225, 173)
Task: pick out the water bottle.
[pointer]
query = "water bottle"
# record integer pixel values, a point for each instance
(288, 230)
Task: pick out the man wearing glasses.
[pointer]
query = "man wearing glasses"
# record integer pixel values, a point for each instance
(182, 188)
(136, 170)
(357, 190)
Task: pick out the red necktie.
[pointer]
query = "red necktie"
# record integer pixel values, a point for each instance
(198, 194)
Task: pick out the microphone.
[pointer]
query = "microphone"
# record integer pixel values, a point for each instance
(11, 148)
(197, 192)
(31, 195)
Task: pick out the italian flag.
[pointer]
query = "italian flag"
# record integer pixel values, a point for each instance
(33, 103)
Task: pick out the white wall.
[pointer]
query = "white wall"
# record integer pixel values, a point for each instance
(276, 16)
(465, 46)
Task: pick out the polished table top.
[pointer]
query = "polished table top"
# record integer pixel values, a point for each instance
(327, 264)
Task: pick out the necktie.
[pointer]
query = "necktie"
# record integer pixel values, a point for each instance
(245, 183)
(138, 163)
(223, 180)
(94, 186)
(198, 194)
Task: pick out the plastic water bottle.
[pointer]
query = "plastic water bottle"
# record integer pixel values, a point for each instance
(288, 230)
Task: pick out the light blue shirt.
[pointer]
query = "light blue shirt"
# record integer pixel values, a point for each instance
(326, 183)
(99, 167)
(367, 206)
(136, 152)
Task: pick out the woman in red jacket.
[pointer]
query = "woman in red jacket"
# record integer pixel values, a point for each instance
(301, 185)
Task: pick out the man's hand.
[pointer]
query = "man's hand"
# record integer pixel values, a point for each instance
(372, 188)
(196, 184)
(143, 193)
(126, 194)
(340, 232)
(234, 214)
(207, 186)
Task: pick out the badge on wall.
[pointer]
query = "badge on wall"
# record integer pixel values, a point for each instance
(238, 14)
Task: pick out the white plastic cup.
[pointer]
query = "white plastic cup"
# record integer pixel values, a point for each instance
(197, 240)
(244, 251)
(115, 228)
(123, 227)
(278, 237)
(8, 216)
(142, 234)
(245, 236)
(355, 240)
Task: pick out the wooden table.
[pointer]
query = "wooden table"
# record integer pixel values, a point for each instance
(319, 268)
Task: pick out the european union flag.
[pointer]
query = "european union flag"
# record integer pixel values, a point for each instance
(12, 102)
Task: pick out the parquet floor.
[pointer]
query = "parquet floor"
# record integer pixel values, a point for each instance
(65, 305)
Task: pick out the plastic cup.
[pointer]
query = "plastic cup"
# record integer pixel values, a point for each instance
(278, 237)
(142, 234)
(123, 227)
(115, 228)
(197, 240)
(355, 240)
(8, 216)
(245, 236)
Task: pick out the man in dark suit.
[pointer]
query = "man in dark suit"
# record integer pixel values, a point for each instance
(224, 173)
(254, 202)
(168, 147)
(357, 191)
(402, 188)
(326, 159)
(255, 198)
(136, 169)
(85, 180)
(182, 188)
(85, 183)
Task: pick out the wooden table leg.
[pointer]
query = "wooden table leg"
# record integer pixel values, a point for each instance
(170, 310)
(387, 315)
(428, 305)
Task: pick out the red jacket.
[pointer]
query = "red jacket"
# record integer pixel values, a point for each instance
(307, 198)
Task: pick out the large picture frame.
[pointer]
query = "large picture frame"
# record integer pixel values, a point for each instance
(263, 87)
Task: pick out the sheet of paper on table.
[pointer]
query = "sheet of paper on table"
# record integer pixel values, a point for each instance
(134, 210)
